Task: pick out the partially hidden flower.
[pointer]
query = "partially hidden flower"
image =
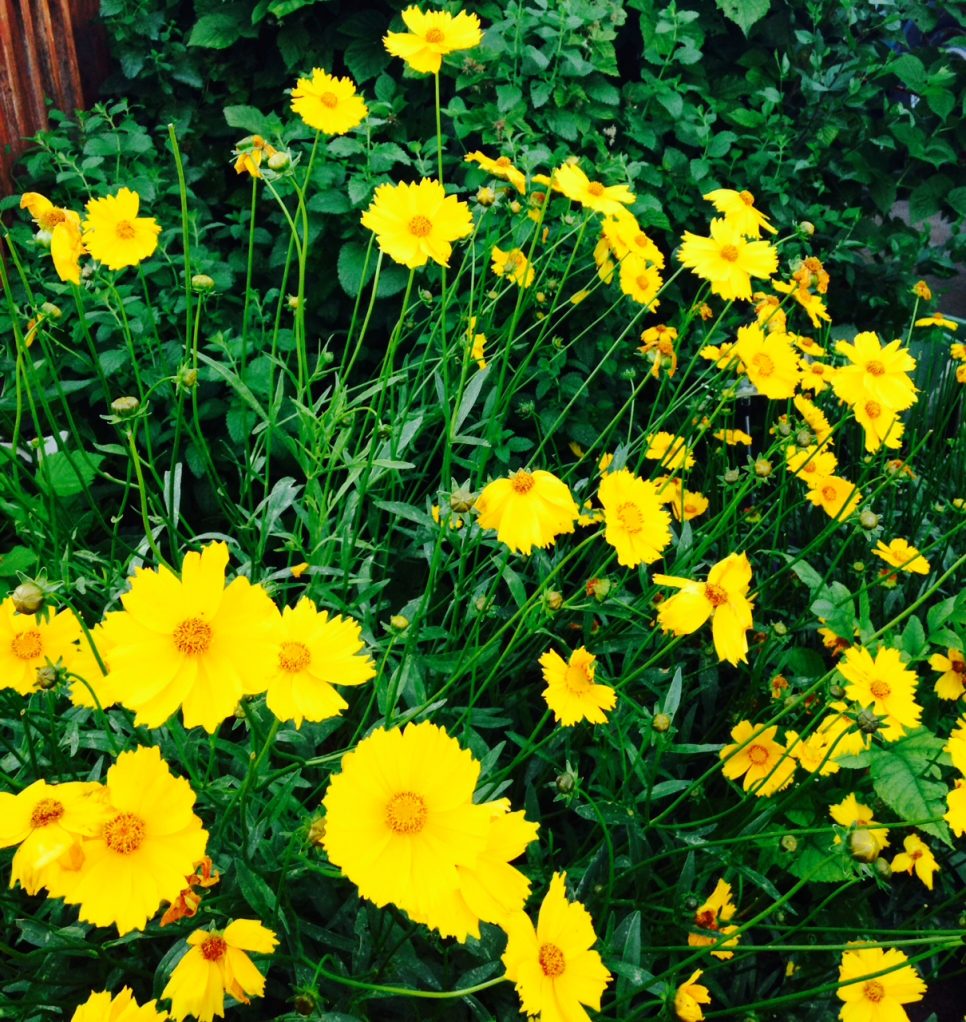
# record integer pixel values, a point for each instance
(902, 555)
(916, 857)
(502, 167)
(871, 997)
(739, 211)
(951, 684)
(431, 36)
(867, 838)
(836, 496)
(122, 1007)
(689, 997)
(572, 693)
(28, 642)
(64, 228)
(712, 922)
(528, 509)
(513, 265)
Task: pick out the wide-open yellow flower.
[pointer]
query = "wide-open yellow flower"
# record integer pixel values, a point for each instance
(641, 281)
(765, 763)
(712, 920)
(881, 424)
(877, 999)
(624, 237)
(952, 667)
(770, 363)
(529, 509)
(115, 235)
(414, 223)
(867, 838)
(811, 463)
(328, 104)
(101, 1007)
(28, 643)
(901, 554)
(64, 228)
(739, 210)
(689, 997)
(432, 35)
(607, 199)
(502, 167)
(635, 523)
(876, 372)
(917, 856)
(836, 496)
(727, 260)
(885, 684)
(814, 753)
(571, 691)
(723, 598)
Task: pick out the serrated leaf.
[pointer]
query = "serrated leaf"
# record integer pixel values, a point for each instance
(824, 864)
(903, 775)
(215, 31)
(248, 118)
(66, 475)
(744, 13)
(366, 58)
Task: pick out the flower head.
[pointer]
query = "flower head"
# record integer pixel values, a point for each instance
(876, 372)
(902, 555)
(115, 235)
(873, 837)
(635, 524)
(101, 1007)
(640, 281)
(571, 691)
(64, 227)
(956, 802)
(670, 450)
(28, 642)
(689, 997)
(328, 104)
(885, 685)
(513, 265)
(739, 211)
(250, 152)
(712, 921)
(917, 856)
(607, 199)
(765, 764)
(529, 509)
(727, 259)
(880, 997)
(432, 35)
(952, 667)
(937, 319)
(502, 167)
(771, 364)
(836, 496)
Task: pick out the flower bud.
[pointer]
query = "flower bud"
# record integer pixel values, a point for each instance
(28, 597)
(599, 588)
(202, 284)
(486, 196)
(46, 677)
(317, 831)
(125, 407)
(732, 475)
(304, 1004)
(806, 227)
(882, 867)
(868, 722)
(762, 468)
(399, 622)
(553, 599)
(836, 691)
(293, 302)
(661, 722)
(279, 161)
(187, 377)
(869, 520)
(462, 500)
(803, 438)
(789, 842)
(780, 628)
(42, 238)
(49, 309)
(862, 845)
(565, 783)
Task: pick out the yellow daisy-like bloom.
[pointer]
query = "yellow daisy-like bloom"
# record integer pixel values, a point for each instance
(670, 450)
(144, 851)
(115, 235)
(958, 352)
(607, 199)
(952, 667)
(48, 822)
(684, 504)
(724, 356)
(207, 643)
(876, 372)
(885, 684)
(553, 965)
(513, 265)
(217, 965)
(815, 375)
(807, 345)
(836, 496)
(478, 350)
(689, 997)
(571, 691)
(937, 319)
(723, 598)
(624, 237)
(313, 653)
(879, 999)
(812, 463)
(727, 259)
(868, 838)
(901, 554)
(765, 764)
(101, 1007)
(739, 211)
(64, 228)
(771, 364)
(881, 425)
(814, 418)
(732, 437)
(956, 814)
(328, 104)
(713, 919)
(414, 223)
(840, 731)
(432, 35)
(28, 642)
(811, 303)
(640, 281)
(502, 167)
(956, 746)
(635, 524)
(529, 509)
(922, 289)
(917, 856)
(812, 753)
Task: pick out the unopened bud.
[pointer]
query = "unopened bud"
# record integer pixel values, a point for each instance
(862, 845)
(553, 599)
(661, 722)
(868, 722)
(304, 1004)
(836, 691)
(46, 677)
(316, 833)
(803, 438)
(202, 284)
(28, 598)
(732, 475)
(780, 628)
(869, 520)
(462, 500)
(486, 196)
(49, 309)
(125, 407)
(784, 428)
(763, 468)
(882, 867)
(187, 377)
(565, 783)
(399, 622)
(279, 161)
(293, 302)
(42, 238)
(789, 842)
(806, 227)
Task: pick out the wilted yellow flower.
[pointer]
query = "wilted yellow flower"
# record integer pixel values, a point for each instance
(917, 856)
(922, 289)
(713, 918)
(249, 153)
(689, 997)
(739, 211)
(529, 509)
(727, 260)
(431, 36)
(115, 235)
(328, 104)
(64, 227)
(502, 167)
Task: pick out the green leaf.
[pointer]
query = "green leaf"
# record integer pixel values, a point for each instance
(66, 475)
(17, 558)
(914, 638)
(507, 97)
(910, 71)
(823, 863)
(957, 200)
(255, 891)
(352, 262)
(215, 31)
(927, 198)
(248, 118)
(903, 775)
(366, 58)
(744, 13)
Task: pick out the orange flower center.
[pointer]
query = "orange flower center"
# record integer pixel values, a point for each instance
(192, 636)
(917, 854)
(729, 252)
(715, 595)
(503, 161)
(707, 919)
(595, 188)
(294, 657)
(959, 666)
(552, 960)
(880, 690)
(49, 220)
(125, 833)
(213, 948)
(329, 99)
(875, 367)
(758, 754)
(435, 35)
(630, 517)
(420, 226)
(763, 363)
(643, 282)
(873, 409)
(747, 198)
(47, 810)
(873, 990)
(522, 482)
(27, 645)
(124, 229)
(577, 679)
(829, 493)
(406, 813)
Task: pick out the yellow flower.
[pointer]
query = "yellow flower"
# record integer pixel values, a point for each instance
(432, 35)
(958, 352)
(115, 235)
(502, 167)
(815, 375)
(328, 104)
(658, 348)
(765, 764)
(922, 289)
(313, 653)
(689, 997)
(513, 265)
(732, 437)
(723, 355)
(901, 554)
(881, 424)
(956, 801)
(867, 838)
(529, 509)
(623, 236)
(64, 227)
(478, 350)
(298, 570)
(956, 746)
(814, 417)
(552, 964)
(917, 856)
(607, 199)
(840, 732)
(684, 504)
(670, 450)
(837, 497)
(877, 999)
(739, 211)
(937, 319)
(875, 373)
(812, 463)
(249, 153)
(723, 598)
(571, 691)
(813, 753)
(771, 364)
(713, 918)
(635, 524)
(952, 682)
(640, 282)
(417, 222)
(215, 966)
(885, 685)
(101, 1007)
(727, 259)
(206, 643)
(144, 851)
(811, 303)
(28, 643)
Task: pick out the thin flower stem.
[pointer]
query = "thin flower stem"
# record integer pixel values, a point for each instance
(377, 988)
(185, 234)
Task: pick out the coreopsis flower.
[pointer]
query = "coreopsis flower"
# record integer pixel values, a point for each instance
(48, 822)
(502, 167)
(689, 997)
(64, 228)
(478, 351)
(553, 965)
(836, 496)
(529, 509)
(640, 281)
(811, 463)
(605, 462)
(249, 154)
(414, 223)
(115, 235)
(624, 237)
(81, 663)
(770, 363)
(101, 1007)
(877, 999)
(885, 684)
(739, 211)
(881, 425)
(670, 450)
(769, 312)
(328, 104)
(922, 290)
(571, 691)
(684, 504)
(431, 36)
(723, 356)
(732, 437)
(958, 352)
(609, 200)
(208, 644)
(937, 319)
(143, 852)
(28, 642)
(811, 303)
(876, 372)
(713, 918)
(635, 524)
(807, 345)
(313, 653)
(902, 555)
(723, 598)
(765, 763)
(867, 838)
(604, 258)
(815, 375)
(217, 965)
(813, 753)
(727, 259)
(840, 732)
(956, 813)
(513, 265)
(814, 417)
(917, 856)
(951, 684)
